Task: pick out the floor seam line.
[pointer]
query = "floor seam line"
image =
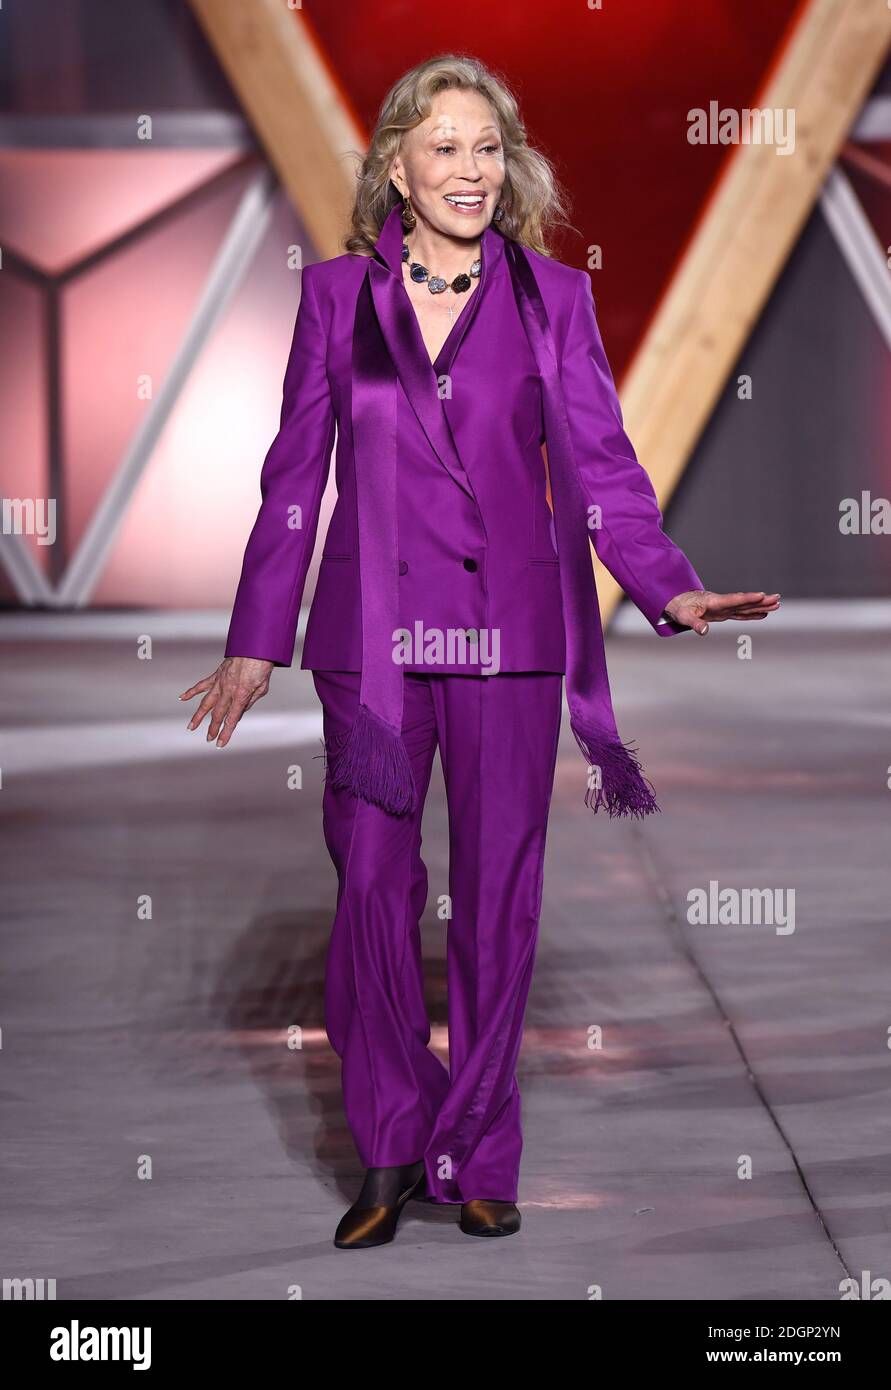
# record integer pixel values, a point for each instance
(673, 922)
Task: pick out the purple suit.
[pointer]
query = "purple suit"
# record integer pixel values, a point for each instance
(499, 515)
(454, 533)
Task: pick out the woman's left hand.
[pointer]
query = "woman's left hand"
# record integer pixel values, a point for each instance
(698, 607)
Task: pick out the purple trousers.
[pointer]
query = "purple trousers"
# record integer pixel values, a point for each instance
(497, 736)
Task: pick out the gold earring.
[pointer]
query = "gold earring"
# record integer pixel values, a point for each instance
(408, 217)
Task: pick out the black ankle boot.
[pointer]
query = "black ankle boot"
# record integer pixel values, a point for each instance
(373, 1217)
(485, 1218)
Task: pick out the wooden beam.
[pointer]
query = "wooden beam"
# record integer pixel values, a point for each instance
(745, 235)
(295, 107)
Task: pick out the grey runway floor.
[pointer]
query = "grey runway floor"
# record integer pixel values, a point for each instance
(167, 906)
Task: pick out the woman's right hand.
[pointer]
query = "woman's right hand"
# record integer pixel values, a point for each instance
(236, 684)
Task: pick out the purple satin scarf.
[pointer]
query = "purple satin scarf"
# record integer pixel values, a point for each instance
(371, 760)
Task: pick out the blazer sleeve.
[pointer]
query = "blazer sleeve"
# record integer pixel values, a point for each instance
(629, 538)
(292, 481)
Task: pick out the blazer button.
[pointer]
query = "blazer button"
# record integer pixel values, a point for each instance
(470, 566)
(403, 567)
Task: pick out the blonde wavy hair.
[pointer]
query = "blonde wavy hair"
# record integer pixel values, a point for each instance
(531, 197)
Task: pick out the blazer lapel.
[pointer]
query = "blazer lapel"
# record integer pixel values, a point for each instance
(400, 331)
(402, 335)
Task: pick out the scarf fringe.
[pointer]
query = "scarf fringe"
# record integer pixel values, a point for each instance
(623, 790)
(371, 761)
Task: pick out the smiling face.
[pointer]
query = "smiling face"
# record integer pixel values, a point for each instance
(452, 165)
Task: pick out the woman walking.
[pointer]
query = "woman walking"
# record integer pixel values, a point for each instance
(447, 346)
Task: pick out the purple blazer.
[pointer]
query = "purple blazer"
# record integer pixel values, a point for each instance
(477, 546)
